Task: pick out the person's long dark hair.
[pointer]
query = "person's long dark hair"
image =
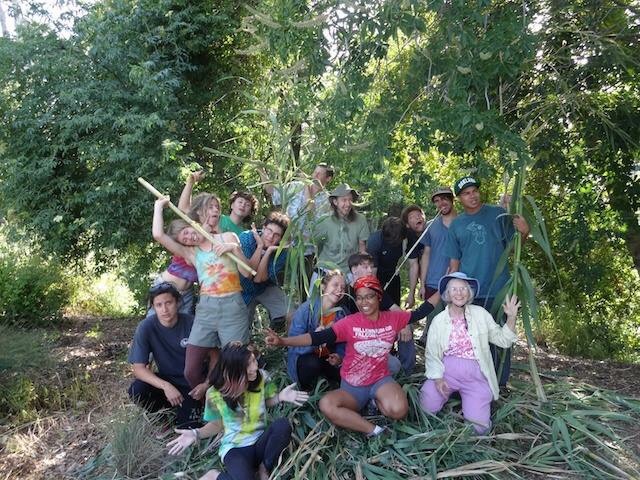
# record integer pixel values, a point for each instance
(229, 376)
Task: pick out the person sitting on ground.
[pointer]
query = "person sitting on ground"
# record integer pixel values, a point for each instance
(306, 365)
(458, 358)
(221, 314)
(261, 250)
(164, 335)
(369, 336)
(360, 265)
(241, 206)
(236, 406)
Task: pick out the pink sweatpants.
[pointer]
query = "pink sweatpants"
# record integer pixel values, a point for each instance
(462, 376)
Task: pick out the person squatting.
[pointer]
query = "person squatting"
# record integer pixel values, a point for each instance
(350, 330)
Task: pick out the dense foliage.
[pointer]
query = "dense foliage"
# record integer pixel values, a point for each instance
(401, 96)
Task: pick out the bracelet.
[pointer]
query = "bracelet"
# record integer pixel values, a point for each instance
(196, 433)
(278, 397)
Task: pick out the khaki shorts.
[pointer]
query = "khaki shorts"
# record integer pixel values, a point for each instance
(220, 320)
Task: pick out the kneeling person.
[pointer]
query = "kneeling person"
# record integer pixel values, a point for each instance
(164, 335)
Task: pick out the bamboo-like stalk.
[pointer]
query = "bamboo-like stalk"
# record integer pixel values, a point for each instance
(519, 188)
(192, 223)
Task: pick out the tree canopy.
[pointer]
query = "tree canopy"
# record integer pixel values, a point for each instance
(400, 95)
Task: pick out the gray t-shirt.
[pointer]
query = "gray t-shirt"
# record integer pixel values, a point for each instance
(168, 346)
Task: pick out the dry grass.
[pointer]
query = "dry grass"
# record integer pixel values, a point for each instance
(74, 441)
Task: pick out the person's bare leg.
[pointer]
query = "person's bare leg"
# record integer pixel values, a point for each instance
(342, 410)
(392, 401)
(210, 475)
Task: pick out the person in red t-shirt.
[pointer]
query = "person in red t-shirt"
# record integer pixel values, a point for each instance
(369, 336)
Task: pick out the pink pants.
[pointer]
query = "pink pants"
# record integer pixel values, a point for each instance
(462, 376)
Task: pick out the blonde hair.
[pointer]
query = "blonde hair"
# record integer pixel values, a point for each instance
(175, 227)
(200, 203)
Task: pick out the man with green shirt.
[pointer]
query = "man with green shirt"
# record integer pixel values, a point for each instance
(342, 233)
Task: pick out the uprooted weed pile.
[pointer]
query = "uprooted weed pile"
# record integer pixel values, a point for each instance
(581, 432)
(93, 433)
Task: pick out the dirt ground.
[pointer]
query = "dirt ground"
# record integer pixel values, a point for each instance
(94, 351)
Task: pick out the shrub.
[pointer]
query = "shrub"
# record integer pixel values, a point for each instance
(32, 291)
(105, 295)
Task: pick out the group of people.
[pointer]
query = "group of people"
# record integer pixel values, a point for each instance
(346, 329)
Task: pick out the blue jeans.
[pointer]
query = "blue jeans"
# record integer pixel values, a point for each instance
(497, 352)
(407, 355)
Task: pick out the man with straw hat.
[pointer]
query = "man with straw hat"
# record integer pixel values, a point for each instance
(342, 233)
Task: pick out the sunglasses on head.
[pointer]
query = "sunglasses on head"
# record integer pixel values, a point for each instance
(163, 287)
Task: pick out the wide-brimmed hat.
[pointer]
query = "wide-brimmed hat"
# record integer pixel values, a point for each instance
(463, 183)
(441, 191)
(444, 281)
(344, 189)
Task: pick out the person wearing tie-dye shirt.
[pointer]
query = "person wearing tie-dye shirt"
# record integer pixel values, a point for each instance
(221, 314)
(236, 405)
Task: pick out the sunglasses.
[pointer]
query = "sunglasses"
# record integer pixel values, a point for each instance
(163, 287)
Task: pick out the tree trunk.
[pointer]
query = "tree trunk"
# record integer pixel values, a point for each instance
(3, 22)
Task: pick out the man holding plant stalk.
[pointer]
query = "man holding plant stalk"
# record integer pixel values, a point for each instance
(477, 239)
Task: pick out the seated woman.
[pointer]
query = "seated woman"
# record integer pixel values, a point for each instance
(369, 336)
(307, 364)
(221, 314)
(236, 405)
(457, 352)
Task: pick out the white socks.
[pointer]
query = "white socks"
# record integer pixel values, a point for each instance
(377, 430)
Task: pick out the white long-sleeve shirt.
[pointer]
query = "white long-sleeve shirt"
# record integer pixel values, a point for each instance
(482, 330)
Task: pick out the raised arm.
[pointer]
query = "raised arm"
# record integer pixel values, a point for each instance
(185, 197)
(162, 238)
(266, 181)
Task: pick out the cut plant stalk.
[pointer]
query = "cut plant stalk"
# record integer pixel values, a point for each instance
(517, 198)
(195, 225)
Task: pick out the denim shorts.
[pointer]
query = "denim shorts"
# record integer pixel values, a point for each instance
(363, 394)
(220, 320)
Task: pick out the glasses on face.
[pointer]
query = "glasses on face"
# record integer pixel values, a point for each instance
(458, 289)
(273, 233)
(368, 297)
